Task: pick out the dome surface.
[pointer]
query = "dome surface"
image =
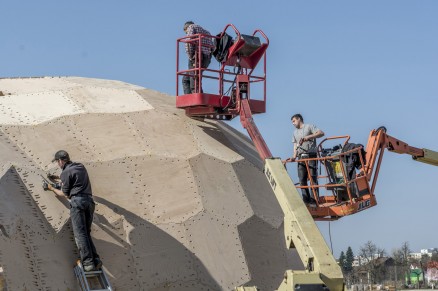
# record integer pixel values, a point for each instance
(182, 204)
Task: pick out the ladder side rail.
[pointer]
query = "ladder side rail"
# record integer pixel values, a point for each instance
(82, 278)
(107, 282)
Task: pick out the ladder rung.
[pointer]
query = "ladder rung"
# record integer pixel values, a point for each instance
(93, 273)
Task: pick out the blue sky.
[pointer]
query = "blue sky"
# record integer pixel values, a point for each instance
(347, 66)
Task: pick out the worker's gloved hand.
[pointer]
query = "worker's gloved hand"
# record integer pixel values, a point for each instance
(49, 186)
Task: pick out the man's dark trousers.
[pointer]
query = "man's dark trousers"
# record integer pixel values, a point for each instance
(189, 81)
(81, 214)
(303, 176)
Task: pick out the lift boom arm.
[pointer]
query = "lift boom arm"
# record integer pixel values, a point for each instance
(379, 140)
(248, 123)
(300, 229)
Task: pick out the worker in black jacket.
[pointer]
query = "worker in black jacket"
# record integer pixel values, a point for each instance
(76, 186)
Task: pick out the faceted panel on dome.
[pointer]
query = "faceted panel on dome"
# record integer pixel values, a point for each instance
(211, 141)
(55, 210)
(90, 82)
(164, 134)
(103, 133)
(220, 190)
(253, 183)
(11, 153)
(161, 102)
(34, 108)
(107, 100)
(217, 245)
(16, 86)
(168, 193)
(267, 261)
(40, 142)
(29, 249)
(111, 233)
(241, 144)
(149, 254)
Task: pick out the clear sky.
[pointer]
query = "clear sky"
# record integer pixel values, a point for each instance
(347, 66)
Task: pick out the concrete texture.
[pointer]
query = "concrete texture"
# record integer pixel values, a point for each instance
(182, 204)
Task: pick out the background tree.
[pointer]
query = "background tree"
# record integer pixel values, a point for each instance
(425, 259)
(342, 261)
(398, 270)
(405, 251)
(349, 259)
(434, 256)
(370, 253)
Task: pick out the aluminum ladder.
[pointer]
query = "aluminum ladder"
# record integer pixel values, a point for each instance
(93, 279)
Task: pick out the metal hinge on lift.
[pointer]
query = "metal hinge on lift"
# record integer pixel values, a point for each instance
(92, 281)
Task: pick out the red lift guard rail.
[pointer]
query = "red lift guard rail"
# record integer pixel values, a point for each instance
(241, 56)
(353, 194)
(347, 195)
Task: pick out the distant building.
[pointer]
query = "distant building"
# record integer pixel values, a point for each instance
(423, 252)
(416, 256)
(381, 265)
(429, 252)
(360, 261)
(356, 261)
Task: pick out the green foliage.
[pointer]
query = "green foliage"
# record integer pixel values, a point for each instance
(346, 261)
(342, 261)
(349, 258)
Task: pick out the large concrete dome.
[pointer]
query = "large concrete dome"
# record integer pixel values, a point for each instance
(181, 204)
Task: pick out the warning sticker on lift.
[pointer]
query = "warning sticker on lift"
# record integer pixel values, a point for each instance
(270, 178)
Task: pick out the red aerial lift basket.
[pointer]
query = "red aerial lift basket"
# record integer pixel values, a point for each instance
(348, 192)
(242, 58)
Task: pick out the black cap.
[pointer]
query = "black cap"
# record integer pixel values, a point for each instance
(187, 24)
(61, 155)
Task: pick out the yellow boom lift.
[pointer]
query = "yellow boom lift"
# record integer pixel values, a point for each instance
(238, 59)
